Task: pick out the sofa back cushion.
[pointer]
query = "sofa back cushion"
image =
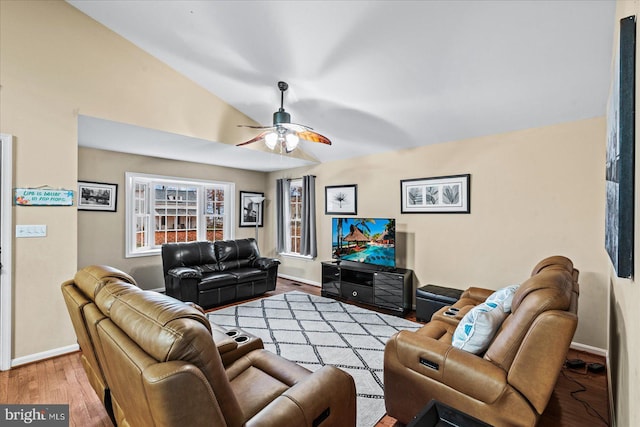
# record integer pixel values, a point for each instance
(532, 343)
(236, 253)
(548, 290)
(77, 305)
(188, 254)
(92, 278)
(79, 295)
(556, 261)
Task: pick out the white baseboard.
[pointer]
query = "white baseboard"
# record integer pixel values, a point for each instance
(44, 355)
(612, 407)
(589, 349)
(297, 279)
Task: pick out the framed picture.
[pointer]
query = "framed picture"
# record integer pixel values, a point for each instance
(619, 228)
(97, 196)
(251, 209)
(442, 194)
(341, 199)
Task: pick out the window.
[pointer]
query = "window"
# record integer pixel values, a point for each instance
(166, 209)
(295, 216)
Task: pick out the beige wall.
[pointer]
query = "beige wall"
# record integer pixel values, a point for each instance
(101, 235)
(56, 63)
(624, 335)
(534, 193)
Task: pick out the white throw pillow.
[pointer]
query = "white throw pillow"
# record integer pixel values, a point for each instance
(504, 296)
(477, 328)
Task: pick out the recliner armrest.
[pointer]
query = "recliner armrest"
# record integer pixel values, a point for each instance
(452, 320)
(465, 372)
(224, 343)
(185, 273)
(265, 263)
(477, 294)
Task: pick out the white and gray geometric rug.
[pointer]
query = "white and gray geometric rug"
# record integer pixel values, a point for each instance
(315, 331)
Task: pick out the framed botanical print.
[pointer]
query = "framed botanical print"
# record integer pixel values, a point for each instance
(441, 194)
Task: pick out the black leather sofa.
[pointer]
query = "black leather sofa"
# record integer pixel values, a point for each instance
(214, 273)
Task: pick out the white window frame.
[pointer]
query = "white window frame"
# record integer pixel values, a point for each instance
(149, 249)
(289, 213)
(293, 217)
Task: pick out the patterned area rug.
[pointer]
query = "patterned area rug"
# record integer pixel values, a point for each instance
(314, 331)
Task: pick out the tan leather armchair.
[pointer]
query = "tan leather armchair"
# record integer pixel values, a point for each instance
(163, 368)
(511, 382)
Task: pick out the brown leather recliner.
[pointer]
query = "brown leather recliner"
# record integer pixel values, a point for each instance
(164, 368)
(511, 382)
(79, 295)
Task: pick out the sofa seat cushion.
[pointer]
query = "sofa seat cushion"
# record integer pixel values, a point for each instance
(247, 274)
(260, 377)
(258, 388)
(217, 280)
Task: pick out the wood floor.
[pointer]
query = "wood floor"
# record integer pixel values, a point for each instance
(580, 398)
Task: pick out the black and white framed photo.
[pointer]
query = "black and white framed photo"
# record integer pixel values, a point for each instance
(97, 196)
(251, 205)
(441, 194)
(341, 199)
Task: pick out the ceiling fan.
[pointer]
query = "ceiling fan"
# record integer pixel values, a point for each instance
(283, 133)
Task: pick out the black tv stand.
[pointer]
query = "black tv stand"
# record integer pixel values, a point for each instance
(386, 288)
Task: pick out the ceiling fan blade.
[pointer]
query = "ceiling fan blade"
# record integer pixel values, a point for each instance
(255, 127)
(309, 135)
(295, 127)
(257, 138)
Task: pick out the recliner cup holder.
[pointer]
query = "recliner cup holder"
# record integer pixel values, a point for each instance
(232, 333)
(241, 338)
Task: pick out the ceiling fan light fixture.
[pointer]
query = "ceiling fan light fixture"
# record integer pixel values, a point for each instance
(291, 141)
(283, 133)
(271, 139)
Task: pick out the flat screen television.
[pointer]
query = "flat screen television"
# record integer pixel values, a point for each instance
(366, 240)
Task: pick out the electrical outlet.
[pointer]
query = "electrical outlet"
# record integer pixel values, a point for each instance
(31, 231)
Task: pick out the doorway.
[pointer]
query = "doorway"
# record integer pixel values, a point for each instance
(6, 247)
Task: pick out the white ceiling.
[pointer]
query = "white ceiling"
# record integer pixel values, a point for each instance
(372, 76)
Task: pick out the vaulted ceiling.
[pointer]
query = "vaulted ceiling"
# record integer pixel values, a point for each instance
(372, 76)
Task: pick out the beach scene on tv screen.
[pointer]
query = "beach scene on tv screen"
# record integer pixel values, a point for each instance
(366, 240)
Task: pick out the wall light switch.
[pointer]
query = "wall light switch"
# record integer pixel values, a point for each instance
(31, 231)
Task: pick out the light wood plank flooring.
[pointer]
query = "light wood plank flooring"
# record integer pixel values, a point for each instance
(580, 398)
